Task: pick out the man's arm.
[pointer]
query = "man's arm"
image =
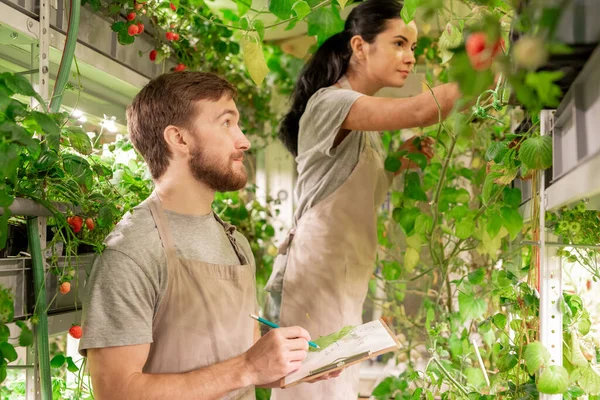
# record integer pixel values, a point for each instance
(117, 371)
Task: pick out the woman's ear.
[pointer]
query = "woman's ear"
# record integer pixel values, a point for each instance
(358, 46)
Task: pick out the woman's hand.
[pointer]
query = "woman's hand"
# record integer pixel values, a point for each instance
(416, 144)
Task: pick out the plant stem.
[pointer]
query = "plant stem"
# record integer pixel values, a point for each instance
(460, 387)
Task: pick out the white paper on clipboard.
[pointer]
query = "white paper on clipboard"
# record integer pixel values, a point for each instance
(361, 343)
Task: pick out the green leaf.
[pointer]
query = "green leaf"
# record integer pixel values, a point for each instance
(494, 224)
(507, 362)
(513, 221)
(260, 28)
(577, 358)
(18, 84)
(2, 371)
(477, 276)
(494, 150)
(75, 166)
(118, 26)
(553, 380)
(342, 3)
(78, 140)
(282, 9)
(413, 187)
(385, 387)
(588, 378)
(464, 228)
(391, 270)
(512, 197)
(490, 188)
(471, 82)
(324, 23)
(408, 10)
(500, 320)
(243, 6)
(57, 361)
(325, 341)
(535, 356)
(451, 38)
(6, 199)
(301, 8)
(46, 161)
(245, 23)
(254, 59)
(8, 351)
(406, 218)
(47, 124)
(4, 333)
(411, 259)
(543, 83)
(71, 365)
(470, 307)
(26, 336)
(418, 158)
(536, 152)
(124, 38)
(105, 217)
(392, 163)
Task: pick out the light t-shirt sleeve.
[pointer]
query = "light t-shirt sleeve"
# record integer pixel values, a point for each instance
(119, 303)
(323, 118)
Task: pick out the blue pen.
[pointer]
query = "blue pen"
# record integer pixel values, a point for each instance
(275, 326)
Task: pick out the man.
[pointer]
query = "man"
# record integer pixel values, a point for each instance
(168, 302)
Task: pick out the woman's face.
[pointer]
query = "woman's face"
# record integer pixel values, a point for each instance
(390, 58)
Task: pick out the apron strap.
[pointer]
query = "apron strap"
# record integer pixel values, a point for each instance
(160, 219)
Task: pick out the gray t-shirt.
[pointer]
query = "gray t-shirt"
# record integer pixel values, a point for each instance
(129, 278)
(323, 168)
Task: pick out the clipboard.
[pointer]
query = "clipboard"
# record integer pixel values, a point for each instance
(361, 343)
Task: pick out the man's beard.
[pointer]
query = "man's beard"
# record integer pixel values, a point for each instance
(217, 175)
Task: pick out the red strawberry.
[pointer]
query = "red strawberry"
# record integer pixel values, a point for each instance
(133, 30)
(138, 6)
(90, 224)
(480, 52)
(131, 16)
(173, 7)
(588, 285)
(140, 28)
(76, 223)
(173, 26)
(169, 35)
(152, 55)
(176, 37)
(179, 67)
(76, 331)
(65, 287)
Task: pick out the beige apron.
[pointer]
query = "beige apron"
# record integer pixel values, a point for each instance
(329, 264)
(203, 317)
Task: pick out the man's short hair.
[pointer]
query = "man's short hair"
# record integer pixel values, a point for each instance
(169, 99)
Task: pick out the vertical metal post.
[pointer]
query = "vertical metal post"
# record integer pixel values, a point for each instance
(40, 57)
(550, 277)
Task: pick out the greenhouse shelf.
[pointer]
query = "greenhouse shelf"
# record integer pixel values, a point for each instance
(15, 274)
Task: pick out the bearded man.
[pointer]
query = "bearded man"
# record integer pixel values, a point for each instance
(166, 311)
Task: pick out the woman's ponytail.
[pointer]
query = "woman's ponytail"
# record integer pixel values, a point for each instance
(324, 69)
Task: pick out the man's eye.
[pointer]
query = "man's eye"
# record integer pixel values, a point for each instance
(227, 123)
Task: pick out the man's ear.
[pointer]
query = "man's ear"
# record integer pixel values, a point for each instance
(176, 139)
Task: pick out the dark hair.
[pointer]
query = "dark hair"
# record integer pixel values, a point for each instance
(330, 61)
(169, 99)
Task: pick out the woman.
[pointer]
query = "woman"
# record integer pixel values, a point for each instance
(331, 129)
